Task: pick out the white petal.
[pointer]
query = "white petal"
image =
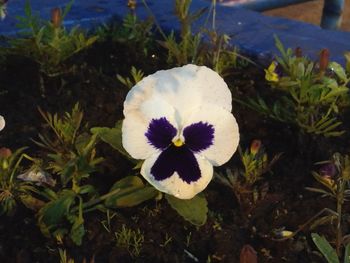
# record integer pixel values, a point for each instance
(226, 133)
(185, 88)
(174, 185)
(133, 137)
(213, 88)
(2, 122)
(136, 124)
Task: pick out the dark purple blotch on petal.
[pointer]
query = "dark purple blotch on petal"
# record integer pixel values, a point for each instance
(160, 132)
(199, 136)
(176, 159)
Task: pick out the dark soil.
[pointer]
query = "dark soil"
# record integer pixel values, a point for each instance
(167, 237)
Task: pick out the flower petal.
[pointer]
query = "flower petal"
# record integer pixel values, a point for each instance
(184, 88)
(213, 88)
(199, 136)
(181, 174)
(133, 136)
(172, 86)
(226, 134)
(2, 123)
(176, 159)
(136, 126)
(160, 133)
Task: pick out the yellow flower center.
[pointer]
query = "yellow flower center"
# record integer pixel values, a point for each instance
(178, 142)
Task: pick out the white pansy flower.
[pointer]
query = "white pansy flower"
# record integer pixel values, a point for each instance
(180, 122)
(2, 123)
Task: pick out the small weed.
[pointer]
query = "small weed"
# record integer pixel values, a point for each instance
(131, 240)
(136, 76)
(168, 240)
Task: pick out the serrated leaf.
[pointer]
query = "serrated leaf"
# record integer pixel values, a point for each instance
(193, 210)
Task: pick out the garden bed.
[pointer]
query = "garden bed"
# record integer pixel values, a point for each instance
(153, 231)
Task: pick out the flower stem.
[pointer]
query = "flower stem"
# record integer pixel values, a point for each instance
(97, 200)
(340, 201)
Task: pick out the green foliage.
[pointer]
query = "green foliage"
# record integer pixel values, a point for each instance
(187, 48)
(245, 183)
(133, 32)
(64, 258)
(72, 156)
(312, 98)
(112, 136)
(336, 186)
(255, 162)
(221, 56)
(136, 76)
(194, 210)
(13, 190)
(327, 250)
(48, 44)
(130, 239)
(72, 151)
(129, 191)
(184, 51)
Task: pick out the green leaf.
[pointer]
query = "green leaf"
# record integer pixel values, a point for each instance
(135, 197)
(31, 202)
(339, 70)
(112, 136)
(87, 189)
(53, 212)
(193, 210)
(347, 254)
(130, 191)
(325, 248)
(77, 231)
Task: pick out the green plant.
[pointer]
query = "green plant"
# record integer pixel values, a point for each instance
(255, 164)
(130, 239)
(133, 32)
(136, 75)
(187, 48)
(312, 95)
(64, 258)
(335, 177)
(49, 43)
(244, 181)
(72, 156)
(12, 189)
(107, 222)
(168, 240)
(327, 250)
(223, 58)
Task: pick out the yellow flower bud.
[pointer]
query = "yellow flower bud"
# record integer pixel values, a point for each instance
(255, 147)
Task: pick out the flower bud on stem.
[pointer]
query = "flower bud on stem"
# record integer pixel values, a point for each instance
(56, 17)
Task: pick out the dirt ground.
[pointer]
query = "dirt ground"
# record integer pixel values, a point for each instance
(310, 12)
